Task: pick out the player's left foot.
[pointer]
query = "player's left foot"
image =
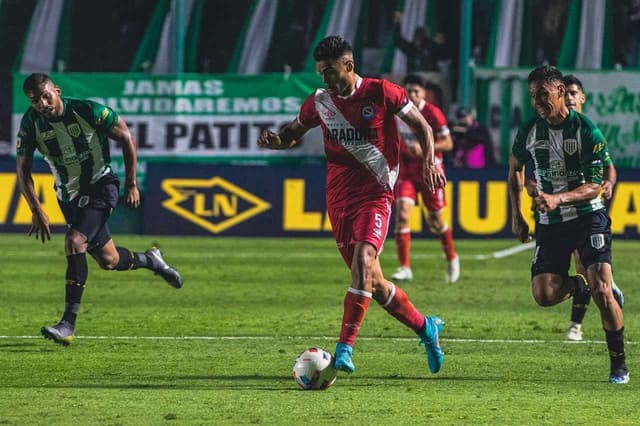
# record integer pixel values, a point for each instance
(617, 294)
(343, 361)
(61, 333)
(574, 332)
(453, 269)
(160, 267)
(619, 377)
(430, 338)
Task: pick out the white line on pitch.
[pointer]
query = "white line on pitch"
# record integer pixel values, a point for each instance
(324, 254)
(407, 339)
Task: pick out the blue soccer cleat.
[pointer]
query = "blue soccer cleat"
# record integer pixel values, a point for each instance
(617, 294)
(619, 377)
(430, 338)
(343, 360)
(61, 333)
(160, 267)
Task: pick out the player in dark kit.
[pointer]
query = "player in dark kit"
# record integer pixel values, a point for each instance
(357, 116)
(72, 135)
(568, 153)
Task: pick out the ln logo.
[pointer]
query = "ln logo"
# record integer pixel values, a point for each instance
(213, 204)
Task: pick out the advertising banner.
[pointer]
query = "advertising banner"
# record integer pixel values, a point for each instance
(211, 117)
(290, 201)
(613, 103)
(216, 200)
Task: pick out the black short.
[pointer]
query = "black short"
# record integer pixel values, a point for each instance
(88, 213)
(590, 235)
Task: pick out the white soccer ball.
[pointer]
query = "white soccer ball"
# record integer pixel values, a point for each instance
(314, 369)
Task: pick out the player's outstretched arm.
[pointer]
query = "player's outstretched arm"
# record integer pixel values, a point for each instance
(516, 180)
(39, 219)
(287, 138)
(120, 132)
(610, 179)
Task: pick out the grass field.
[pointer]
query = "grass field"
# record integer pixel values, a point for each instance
(221, 349)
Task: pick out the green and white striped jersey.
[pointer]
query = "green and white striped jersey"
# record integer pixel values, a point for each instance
(564, 157)
(76, 145)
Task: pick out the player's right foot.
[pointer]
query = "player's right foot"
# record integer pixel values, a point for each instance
(574, 332)
(619, 377)
(61, 333)
(160, 267)
(617, 294)
(343, 361)
(430, 338)
(403, 273)
(453, 270)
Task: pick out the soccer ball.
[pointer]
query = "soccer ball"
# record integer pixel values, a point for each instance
(314, 369)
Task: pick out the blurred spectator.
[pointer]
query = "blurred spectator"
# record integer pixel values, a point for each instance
(631, 31)
(551, 16)
(423, 52)
(473, 147)
(434, 94)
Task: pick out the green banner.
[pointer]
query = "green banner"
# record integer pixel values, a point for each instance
(613, 103)
(205, 116)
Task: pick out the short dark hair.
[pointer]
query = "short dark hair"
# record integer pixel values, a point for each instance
(34, 81)
(413, 79)
(331, 48)
(570, 79)
(545, 73)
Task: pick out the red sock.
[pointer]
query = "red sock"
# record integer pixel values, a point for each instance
(403, 246)
(400, 307)
(446, 239)
(356, 303)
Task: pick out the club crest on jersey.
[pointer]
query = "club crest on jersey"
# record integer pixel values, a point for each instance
(597, 241)
(74, 130)
(367, 112)
(570, 146)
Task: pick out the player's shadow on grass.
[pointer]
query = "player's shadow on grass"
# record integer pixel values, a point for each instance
(25, 347)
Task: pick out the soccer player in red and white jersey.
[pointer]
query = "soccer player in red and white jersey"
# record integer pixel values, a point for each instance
(357, 116)
(410, 182)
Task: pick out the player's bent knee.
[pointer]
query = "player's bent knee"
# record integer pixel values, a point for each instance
(76, 242)
(543, 296)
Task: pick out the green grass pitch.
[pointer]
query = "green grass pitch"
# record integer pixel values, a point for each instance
(221, 349)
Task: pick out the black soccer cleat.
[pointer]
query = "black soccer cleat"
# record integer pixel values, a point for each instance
(160, 267)
(61, 333)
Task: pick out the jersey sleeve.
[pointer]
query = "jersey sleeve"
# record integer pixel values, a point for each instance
(308, 115)
(436, 119)
(26, 142)
(103, 117)
(594, 154)
(395, 98)
(608, 161)
(519, 149)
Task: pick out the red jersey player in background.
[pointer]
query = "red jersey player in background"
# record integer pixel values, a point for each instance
(357, 116)
(410, 183)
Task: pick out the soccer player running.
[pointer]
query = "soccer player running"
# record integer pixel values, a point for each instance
(574, 98)
(72, 135)
(361, 143)
(568, 153)
(410, 182)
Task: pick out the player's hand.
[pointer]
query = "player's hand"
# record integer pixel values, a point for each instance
(433, 177)
(132, 197)
(40, 225)
(269, 139)
(607, 189)
(532, 187)
(520, 228)
(546, 202)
